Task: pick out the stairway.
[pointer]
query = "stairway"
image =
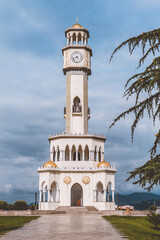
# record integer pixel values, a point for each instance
(77, 210)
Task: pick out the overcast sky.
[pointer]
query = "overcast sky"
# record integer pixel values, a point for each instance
(32, 84)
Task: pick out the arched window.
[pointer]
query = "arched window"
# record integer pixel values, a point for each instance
(99, 155)
(54, 154)
(67, 153)
(58, 153)
(95, 153)
(79, 38)
(76, 105)
(80, 153)
(99, 192)
(74, 38)
(54, 192)
(109, 192)
(86, 153)
(74, 153)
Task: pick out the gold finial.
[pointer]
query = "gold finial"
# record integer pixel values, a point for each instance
(77, 20)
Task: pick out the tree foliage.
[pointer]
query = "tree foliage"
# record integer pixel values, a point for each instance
(154, 219)
(20, 205)
(3, 205)
(144, 85)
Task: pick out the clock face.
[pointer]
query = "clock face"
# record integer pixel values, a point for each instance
(77, 57)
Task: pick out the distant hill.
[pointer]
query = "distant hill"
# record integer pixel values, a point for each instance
(140, 201)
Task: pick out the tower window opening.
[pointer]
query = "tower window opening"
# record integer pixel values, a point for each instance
(77, 108)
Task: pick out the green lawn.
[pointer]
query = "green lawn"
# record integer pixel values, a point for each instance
(135, 228)
(8, 223)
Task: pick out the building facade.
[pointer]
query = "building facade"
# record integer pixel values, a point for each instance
(76, 174)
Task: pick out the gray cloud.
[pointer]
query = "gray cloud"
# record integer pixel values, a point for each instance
(32, 87)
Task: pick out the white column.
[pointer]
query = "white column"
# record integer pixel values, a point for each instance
(71, 40)
(104, 195)
(60, 156)
(58, 196)
(40, 196)
(95, 195)
(67, 41)
(70, 155)
(44, 196)
(82, 40)
(85, 41)
(112, 195)
(83, 155)
(102, 155)
(49, 195)
(77, 39)
(97, 157)
(51, 156)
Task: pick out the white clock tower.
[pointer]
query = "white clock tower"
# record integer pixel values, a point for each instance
(77, 66)
(77, 174)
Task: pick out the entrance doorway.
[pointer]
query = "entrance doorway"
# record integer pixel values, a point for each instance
(76, 195)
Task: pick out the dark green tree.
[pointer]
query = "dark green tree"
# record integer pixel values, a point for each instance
(154, 219)
(145, 85)
(3, 205)
(20, 205)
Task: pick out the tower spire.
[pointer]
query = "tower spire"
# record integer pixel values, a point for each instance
(77, 20)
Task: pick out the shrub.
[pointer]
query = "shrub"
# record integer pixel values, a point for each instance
(20, 205)
(154, 219)
(153, 208)
(3, 205)
(32, 207)
(10, 206)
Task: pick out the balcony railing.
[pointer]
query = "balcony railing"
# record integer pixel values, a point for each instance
(77, 109)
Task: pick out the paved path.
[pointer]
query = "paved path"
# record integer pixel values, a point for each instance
(66, 227)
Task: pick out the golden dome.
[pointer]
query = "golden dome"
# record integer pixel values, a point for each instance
(50, 164)
(76, 26)
(103, 164)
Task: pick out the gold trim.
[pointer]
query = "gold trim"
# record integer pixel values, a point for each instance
(86, 180)
(67, 180)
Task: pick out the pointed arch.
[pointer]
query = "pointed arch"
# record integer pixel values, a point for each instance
(76, 195)
(54, 154)
(73, 153)
(67, 153)
(99, 155)
(80, 153)
(58, 153)
(99, 192)
(86, 153)
(54, 192)
(95, 153)
(79, 38)
(76, 105)
(74, 38)
(109, 192)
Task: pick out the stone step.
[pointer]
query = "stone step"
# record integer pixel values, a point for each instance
(77, 210)
(92, 209)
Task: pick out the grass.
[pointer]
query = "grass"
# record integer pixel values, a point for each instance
(135, 228)
(8, 223)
